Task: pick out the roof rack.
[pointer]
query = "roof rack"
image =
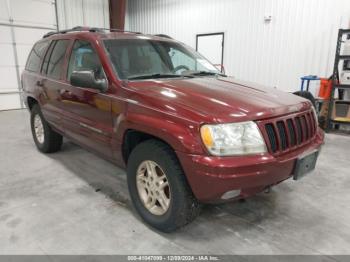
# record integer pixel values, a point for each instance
(163, 35)
(97, 30)
(74, 29)
(87, 29)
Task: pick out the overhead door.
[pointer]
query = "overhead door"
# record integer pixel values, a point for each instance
(22, 23)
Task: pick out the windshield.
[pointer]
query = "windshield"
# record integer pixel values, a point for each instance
(143, 58)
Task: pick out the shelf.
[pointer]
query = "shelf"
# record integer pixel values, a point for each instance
(341, 86)
(341, 101)
(345, 31)
(336, 85)
(344, 57)
(341, 122)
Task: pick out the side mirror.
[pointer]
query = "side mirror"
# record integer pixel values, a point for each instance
(88, 79)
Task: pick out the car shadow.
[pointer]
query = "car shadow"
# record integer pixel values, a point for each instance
(103, 177)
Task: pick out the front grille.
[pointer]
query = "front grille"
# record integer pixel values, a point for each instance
(285, 133)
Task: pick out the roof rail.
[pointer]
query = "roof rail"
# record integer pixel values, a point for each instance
(118, 30)
(163, 35)
(74, 29)
(87, 29)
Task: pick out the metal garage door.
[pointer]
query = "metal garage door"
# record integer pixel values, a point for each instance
(22, 22)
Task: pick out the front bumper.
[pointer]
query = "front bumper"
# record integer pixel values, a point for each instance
(211, 177)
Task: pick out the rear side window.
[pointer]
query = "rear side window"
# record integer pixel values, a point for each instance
(55, 61)
(35, 56)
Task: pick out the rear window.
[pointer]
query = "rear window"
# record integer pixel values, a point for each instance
(35, 56)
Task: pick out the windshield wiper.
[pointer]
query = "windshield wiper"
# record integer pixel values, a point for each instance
(158, 75)
(206, 73)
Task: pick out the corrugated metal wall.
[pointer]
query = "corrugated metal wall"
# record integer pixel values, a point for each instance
(300, 39)
(94, 13)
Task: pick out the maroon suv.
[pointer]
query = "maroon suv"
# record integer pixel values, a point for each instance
(186, 133)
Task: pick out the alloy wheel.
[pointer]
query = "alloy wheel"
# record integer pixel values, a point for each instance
(39, 129)
(153, 187)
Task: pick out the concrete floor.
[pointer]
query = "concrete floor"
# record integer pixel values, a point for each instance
(73, 202)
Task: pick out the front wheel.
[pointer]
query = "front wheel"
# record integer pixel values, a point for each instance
(45, 139)
(158, 187)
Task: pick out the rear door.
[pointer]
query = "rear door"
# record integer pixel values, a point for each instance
(31, 75)
(87, 112)
(52, 81)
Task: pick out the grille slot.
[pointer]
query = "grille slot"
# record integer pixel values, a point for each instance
(299, 130)
(285, 133)
(282, 134)
(311, 125)
(305, 127)
(291, 132)
(270, 130)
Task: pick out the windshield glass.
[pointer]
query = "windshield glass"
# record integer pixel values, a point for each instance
(144, 58)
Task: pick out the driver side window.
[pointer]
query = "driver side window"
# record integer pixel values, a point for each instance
(84, 58)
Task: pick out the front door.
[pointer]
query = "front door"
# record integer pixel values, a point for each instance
(87, 115)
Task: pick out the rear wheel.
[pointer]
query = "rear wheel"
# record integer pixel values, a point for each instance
(158, 187)
(46, 139)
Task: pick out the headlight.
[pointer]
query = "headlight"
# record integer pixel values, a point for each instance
(233, 139)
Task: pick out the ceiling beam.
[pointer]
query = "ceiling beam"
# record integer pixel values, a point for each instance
(117, 9)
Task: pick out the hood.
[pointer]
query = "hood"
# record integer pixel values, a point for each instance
(215, 100)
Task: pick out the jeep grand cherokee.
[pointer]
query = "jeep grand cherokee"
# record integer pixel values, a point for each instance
(186, 133)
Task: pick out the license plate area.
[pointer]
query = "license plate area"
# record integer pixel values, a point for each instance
(305, 165)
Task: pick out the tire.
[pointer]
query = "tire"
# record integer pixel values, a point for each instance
(307, 95)
(50, 141)
(183, 206)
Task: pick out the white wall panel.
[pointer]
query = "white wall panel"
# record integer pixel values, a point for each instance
(7, 62)
(94, 13)
(4, 15)
(17, 36)
(300, 39)
(29, 20)
(34, 12)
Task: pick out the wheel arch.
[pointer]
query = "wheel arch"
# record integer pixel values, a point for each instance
(133, 137)
(134, 128)
(31, 101)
